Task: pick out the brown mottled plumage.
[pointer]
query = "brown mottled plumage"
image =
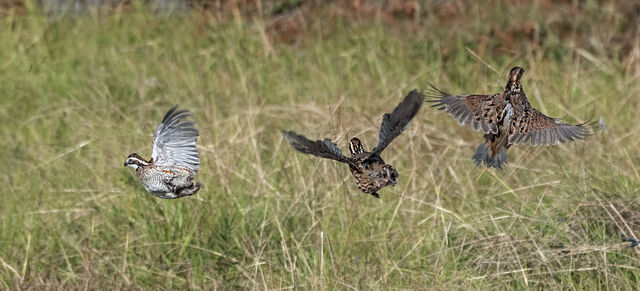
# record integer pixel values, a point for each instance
(369, 170)
(506, 119)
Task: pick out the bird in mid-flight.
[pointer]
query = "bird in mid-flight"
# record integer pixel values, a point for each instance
(506, 119)
(174, 158)
(369, 170)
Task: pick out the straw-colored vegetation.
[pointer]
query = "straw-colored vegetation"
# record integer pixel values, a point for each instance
(79, 93)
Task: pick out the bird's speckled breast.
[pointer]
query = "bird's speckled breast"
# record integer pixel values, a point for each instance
(374, 176)
(155, 178)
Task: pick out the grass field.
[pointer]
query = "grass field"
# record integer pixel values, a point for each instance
(79, 93)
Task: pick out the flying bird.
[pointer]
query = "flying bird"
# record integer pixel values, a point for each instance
(174, 158)
(368, 168)
(506, 119)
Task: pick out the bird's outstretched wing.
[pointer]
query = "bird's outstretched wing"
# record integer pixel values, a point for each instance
(324, 149)
(394, 123)
(174, 142)
(478, 112)
(544, 130)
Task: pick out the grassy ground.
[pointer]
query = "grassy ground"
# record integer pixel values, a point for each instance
(80, 93)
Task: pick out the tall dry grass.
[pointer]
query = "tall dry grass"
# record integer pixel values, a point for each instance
(80, 93)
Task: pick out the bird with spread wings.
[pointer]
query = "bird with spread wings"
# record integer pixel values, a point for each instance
(174, 158)
(506, 119)
(369, 170)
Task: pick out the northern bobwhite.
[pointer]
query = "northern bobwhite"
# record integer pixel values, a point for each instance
(174, 158)
(506, 119)
(369, 170)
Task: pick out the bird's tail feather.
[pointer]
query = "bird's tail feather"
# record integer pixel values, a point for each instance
(483, 155)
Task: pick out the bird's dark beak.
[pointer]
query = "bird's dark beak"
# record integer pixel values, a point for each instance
(125, 163)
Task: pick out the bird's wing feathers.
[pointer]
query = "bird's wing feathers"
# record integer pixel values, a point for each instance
(324, 149)
(394, 123)
(544, 130)
(478, 112)
(174, 142)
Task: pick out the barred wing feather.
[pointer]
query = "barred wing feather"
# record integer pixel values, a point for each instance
(394, 123)
(321, 148)
(542, 130)
(174, 142)
(478, 112)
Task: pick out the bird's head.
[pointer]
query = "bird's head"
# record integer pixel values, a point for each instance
(135, 161)
(355, 146)
(513, 84)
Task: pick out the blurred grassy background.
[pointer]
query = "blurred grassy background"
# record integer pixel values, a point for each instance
(80, 91)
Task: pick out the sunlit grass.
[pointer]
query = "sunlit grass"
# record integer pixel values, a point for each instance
(80, 93)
